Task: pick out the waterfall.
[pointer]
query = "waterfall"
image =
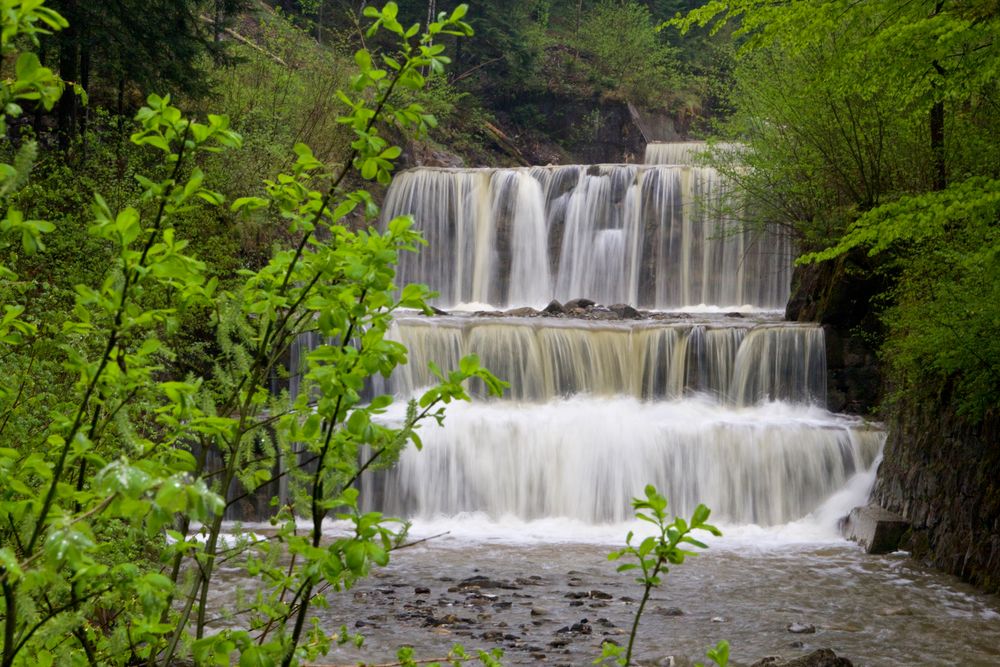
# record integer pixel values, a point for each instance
(726, 409)
(725, 413)
(583, 458)
(548, 358)
(674, 152)
(683, 152)
(651, 236)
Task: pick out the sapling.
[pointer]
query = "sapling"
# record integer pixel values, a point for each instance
(653, 558)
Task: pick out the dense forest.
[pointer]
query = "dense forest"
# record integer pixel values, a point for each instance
(189, 185)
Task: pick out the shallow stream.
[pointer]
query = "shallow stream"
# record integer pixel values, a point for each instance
(523, 586)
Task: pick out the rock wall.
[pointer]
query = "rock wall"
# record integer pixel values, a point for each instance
(838, 295)
(555, 128)
(943, 475)
(591, 130)
(938, 472)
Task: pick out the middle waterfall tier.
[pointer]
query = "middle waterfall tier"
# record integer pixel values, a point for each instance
(545, 358)
(654, 236)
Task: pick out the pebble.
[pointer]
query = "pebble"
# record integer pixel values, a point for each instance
(801, 628)
(669, 611)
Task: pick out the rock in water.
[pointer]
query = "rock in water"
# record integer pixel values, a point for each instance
(525, 311)
(625, 311)
(554, 308)
(823, 657)
(878, 530)
(801, 628)
(582, 304)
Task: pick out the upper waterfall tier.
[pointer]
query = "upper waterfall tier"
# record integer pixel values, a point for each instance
(682, 152)
(651, 236)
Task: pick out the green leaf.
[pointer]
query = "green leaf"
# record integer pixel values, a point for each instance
(27, 66)
(255, 656)
(700, 516)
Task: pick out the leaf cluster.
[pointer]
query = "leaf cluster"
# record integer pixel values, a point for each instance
(130, 455)
(670, 545)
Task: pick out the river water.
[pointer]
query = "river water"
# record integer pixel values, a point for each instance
(515, 585)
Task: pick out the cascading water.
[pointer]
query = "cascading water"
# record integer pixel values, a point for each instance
(684, 152)
(545, 358)
(722, 410)
(718, 413)
(650, 236)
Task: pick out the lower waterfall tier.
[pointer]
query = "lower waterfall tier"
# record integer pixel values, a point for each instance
(584, 459)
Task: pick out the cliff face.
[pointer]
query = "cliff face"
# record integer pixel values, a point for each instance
(943, 476)
(838, 296)
(938, 472)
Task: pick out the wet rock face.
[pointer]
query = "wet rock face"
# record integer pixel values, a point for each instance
(839, 296)
(940, 474)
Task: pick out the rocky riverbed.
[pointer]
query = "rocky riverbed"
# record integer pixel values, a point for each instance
(555, 604)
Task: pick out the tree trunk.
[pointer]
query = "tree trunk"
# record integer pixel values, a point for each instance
(937, 140)
(937, 125)
(69, 71)
(84, 84)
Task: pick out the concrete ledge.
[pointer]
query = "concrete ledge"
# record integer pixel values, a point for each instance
(879, 531)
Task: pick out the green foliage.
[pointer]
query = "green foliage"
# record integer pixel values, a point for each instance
(623, 54)
(833, 101)
(653, 558)
(122, 452)
(946, 307)
(457, 656)
(875, 125)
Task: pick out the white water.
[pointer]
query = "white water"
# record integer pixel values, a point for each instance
(684, 152)
(650, 236)
(543, 358)
(582, 459)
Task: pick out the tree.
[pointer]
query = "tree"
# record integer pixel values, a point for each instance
(625, 56)
(867, 128)
(110, 48)
(915, 59)
(88, 489)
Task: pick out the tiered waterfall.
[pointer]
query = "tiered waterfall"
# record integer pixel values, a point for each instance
(711, 405)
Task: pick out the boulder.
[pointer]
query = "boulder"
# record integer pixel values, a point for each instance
(582, 304)
(823, 657)
(878, 530)
(625, 311)
(602, 313)
(554, 308)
